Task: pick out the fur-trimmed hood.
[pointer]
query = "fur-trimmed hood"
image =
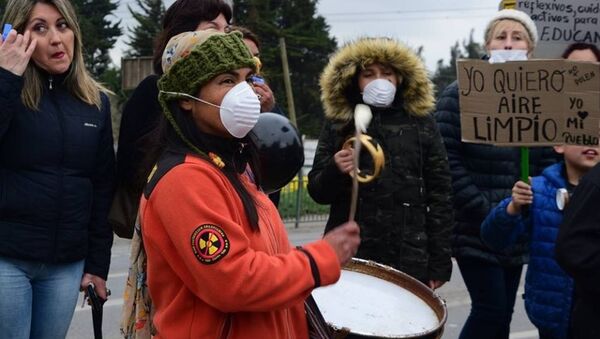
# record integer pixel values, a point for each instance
(416, 91)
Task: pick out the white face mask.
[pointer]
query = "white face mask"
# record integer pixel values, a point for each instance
(379, 93)
(503, 55)
(239, 110)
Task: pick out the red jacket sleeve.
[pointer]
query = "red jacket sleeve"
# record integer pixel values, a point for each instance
(239, 274)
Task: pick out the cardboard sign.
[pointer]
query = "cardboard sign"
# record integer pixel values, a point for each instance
(561, 23)
(529, 103)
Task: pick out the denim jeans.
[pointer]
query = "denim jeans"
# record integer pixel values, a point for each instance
(37, 300)
(493, 290)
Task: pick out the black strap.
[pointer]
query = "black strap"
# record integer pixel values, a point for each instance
(167, 161)
(313, 266)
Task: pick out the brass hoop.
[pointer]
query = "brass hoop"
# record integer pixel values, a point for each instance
(376, 153)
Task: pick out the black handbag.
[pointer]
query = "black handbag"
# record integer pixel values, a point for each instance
(123, 212)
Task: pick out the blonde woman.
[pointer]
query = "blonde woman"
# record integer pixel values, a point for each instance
(56, 171)
(482, 175)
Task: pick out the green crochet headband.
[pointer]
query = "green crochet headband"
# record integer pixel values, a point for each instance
(191, 59)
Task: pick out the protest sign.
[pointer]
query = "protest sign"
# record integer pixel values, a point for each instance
(529, 103)
(562, 22)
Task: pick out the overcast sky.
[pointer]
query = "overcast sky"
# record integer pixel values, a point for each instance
(434, 24)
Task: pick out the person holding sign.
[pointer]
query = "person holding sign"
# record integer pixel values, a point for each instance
(548, 289)
(482, 175)
(405, 213)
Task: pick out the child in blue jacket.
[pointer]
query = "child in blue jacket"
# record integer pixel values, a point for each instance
(548, 289)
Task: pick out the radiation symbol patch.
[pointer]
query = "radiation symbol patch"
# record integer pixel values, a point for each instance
(209, 243)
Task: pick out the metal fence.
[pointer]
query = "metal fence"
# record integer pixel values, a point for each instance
(296, 206)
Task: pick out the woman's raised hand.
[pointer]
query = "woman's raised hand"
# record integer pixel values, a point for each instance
(15, 52)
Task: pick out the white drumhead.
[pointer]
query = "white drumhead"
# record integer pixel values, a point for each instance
(375, 307)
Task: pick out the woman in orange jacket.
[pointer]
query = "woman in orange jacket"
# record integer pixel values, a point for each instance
(220, 264)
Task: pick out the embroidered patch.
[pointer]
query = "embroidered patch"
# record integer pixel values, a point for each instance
(209, 243)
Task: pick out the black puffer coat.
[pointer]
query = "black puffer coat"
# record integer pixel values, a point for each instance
(482, 175)
(405, 214)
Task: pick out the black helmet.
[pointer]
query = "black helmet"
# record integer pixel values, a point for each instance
(279, 148)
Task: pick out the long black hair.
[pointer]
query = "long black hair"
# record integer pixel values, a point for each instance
(235, 153)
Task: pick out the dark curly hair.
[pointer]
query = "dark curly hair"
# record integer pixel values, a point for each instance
(185, 16)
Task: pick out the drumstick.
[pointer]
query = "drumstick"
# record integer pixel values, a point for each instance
(354, 196)
(362, 118)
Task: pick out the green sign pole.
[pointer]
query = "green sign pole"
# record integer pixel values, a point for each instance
(524, 164)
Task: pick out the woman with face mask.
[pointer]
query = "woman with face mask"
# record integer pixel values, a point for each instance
(56, 171)
(142, 111)
(405, 213)
(219, 263)
(482, 175)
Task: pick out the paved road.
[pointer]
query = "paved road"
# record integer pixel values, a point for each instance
(454, 292)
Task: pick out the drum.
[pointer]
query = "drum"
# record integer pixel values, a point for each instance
(376, 301)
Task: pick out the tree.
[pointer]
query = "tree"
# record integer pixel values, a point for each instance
(446, 74)
(148, 26)
(308, 48)
(98, 34)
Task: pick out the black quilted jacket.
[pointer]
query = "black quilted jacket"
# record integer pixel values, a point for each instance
(56, 177)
